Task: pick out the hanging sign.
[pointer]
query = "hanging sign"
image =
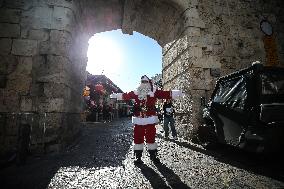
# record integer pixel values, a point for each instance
(271, 50)
(269, 42)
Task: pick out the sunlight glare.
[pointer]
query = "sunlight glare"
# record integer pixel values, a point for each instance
(104, 56)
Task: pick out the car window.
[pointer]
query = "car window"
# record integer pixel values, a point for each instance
(272, 83)
(232, 93)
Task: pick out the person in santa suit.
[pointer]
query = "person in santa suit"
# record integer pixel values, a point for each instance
(145, 115)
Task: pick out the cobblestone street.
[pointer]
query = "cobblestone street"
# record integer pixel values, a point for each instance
(103, 158)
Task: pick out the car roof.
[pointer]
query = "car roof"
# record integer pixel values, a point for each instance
(253, 69)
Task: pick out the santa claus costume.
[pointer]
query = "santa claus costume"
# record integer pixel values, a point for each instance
(145, 115)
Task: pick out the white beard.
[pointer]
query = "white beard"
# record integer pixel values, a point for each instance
(143, 90)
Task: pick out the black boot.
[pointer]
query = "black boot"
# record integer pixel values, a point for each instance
(153, 156)
(138, 156)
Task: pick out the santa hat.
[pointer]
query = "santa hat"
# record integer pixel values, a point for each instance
(145, 78)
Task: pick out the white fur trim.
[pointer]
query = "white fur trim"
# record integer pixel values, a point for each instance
(119, 96)
(145, 120)
(150, 93)
(152, 146)
(176, 94)
(138, 146)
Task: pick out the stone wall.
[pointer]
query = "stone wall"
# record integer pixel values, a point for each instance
(219, 37)
(44, 71)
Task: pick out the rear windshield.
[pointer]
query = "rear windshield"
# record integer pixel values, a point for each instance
(272, 83)
(232, 93)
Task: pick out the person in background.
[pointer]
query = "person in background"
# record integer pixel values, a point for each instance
(169, 119)
(145, 115)
(159, 113)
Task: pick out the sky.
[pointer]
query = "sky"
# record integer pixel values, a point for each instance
(124, 58)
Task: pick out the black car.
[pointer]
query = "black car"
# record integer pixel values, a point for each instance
(246, 109)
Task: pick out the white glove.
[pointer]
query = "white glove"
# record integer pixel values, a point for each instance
(113, 95)
(177, 94)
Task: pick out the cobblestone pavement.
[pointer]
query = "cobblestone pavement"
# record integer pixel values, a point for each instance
(103, 158)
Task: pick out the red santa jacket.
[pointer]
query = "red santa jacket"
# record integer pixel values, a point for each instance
(144, 110)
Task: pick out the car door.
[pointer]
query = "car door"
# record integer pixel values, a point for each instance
(228, 109)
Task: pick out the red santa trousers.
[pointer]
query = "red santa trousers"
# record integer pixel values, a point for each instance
(144, 131)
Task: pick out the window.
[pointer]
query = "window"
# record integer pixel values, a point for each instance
(232, 93)
(272, 83)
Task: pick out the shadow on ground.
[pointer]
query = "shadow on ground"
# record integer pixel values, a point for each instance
(157, 182)
(267, 165)
(100, 145)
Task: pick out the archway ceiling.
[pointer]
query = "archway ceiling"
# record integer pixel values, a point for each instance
(158, 19)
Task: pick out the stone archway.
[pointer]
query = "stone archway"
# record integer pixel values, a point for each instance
(43, 49)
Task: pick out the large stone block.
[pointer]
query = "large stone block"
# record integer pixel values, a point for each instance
(55, 48)
(20, 85)
(10, 15)
(50, 122)
(5, 46)
(194, 22)
(62, 19)
(175, 50)
(46, 15)
(177, 68)
(207, 62)
(15, 3)
(195, 52)
(37, 17)
(26, 104)
(183, 4)
(24, 47)
(207, 39)
(57, 64)
(197, 79)
(196, 98)
(230, 62)
(9, 62)
(10, 101)
(191, 13)
(40, 35)
(60, 36)
(58, 3)
(53, 105)
(9, 30)
(57, 90)
(23, 68)
(167, 46)
(192, 31)
(3, 67)
(55, 78)
(50, 68)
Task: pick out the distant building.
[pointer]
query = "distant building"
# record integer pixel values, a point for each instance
(98, 104)
(109, 86)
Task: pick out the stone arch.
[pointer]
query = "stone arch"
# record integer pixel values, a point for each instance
(169, 23)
